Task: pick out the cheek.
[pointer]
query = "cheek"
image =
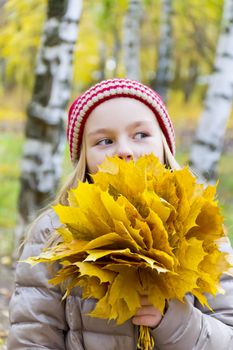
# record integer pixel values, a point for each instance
(160, 155)
(159, 151)
(94, 159)
(155, 147)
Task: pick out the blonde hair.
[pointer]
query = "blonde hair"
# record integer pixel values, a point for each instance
(79, 174)
(169, 159)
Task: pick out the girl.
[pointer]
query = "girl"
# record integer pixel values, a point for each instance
(124, 118)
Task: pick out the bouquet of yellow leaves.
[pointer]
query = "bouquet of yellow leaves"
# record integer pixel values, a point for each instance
(139, 229)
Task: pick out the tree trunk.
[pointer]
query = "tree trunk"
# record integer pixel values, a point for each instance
(131, 39)
(102, 60)
(45, 134)
(190, 82)
(164, 65)
(207, 147)
(116, 50)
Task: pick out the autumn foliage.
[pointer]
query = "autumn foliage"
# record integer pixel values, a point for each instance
(139, 229)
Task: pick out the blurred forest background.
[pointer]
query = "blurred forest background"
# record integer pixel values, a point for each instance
(172, 45)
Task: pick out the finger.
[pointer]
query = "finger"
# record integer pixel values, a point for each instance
(150, 321)
(147, 310)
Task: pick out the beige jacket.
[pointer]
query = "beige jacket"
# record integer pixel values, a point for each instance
(40, 320)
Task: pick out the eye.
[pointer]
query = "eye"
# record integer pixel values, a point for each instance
(104, 142)
(140, 135)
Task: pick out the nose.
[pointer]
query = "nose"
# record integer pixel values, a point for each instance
(124, 151)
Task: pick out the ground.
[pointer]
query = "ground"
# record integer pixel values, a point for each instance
(6, 287)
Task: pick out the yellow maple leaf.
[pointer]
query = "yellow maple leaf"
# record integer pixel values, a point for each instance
(151, 231)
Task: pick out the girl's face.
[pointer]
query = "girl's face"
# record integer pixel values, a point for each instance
(124, 127)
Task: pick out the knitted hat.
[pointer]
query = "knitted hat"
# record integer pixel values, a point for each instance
(106, 90)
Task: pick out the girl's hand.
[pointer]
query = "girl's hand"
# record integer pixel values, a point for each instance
(147, 315)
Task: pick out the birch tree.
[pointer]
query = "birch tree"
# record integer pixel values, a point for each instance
(208, 142)
(131, 39)
(164, 65)
(45, 134)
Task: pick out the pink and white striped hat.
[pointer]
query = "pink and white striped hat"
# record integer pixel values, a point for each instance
(106, 90)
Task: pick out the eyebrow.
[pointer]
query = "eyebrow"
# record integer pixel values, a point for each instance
(131, 126)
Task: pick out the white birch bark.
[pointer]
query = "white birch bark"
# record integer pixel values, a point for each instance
(45, 132)
(207, 147)
(164, 65)
(131, 39)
